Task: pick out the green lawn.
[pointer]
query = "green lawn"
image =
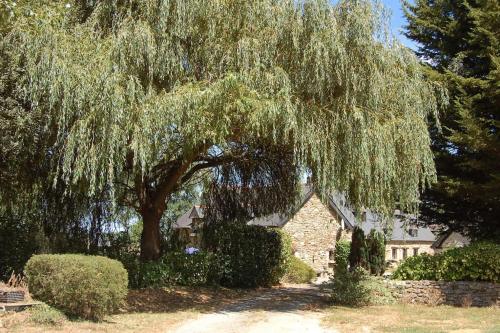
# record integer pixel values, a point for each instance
(413, 319)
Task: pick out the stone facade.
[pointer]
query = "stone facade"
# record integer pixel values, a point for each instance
(314, 230)
(456, 293)
(397, 251)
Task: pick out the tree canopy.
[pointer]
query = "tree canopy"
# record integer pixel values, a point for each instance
(137, 98)
(460, 39)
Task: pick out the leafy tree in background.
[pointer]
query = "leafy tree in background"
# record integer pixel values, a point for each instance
(461, 42)
(127, 102)
(359, 255)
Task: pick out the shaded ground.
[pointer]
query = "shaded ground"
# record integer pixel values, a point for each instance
(287, 309)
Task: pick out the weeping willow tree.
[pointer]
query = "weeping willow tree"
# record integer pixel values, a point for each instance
(146, 96)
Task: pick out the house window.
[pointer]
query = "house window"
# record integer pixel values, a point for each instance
(394, 253)
(405, 253)
(331, 255)
(413, 232)
(415, 251)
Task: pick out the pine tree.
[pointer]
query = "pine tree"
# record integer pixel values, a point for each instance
(376, 252)
(359, 255)
(461, 42)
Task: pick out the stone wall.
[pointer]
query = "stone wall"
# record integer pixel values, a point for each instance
(457, 293)
(313, 230)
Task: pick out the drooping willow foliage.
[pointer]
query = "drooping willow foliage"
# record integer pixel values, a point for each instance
(133, 85)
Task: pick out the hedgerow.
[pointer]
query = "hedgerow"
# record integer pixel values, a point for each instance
(476, 262)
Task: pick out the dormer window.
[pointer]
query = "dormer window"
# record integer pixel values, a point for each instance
(413, 232)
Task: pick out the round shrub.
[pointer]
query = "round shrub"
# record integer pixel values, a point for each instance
(88, 287)
(298, 271)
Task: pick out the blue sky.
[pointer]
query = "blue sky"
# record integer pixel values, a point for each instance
(398, 21)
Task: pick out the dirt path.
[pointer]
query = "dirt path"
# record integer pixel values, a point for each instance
(287, 309)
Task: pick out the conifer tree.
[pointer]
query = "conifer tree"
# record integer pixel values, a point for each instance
(376, 252)
(359, 255)
(461, 42)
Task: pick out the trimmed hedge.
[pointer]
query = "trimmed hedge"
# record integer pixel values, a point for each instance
(476, 262)
(298, 271)
(88, 287)
(249, 256)
(200, 268)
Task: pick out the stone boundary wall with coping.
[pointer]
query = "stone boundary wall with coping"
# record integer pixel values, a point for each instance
(456, 293)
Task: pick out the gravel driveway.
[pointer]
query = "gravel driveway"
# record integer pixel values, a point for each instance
(287, 309)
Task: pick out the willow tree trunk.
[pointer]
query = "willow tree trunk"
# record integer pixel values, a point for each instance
(151, 235)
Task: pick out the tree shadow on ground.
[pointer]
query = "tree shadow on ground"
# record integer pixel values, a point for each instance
(208, 300)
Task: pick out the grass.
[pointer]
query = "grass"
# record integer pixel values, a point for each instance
(405, 318)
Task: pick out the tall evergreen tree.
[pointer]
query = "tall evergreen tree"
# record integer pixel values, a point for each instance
(359, 255)
(137, 98)
(461, 41)
(376, 252)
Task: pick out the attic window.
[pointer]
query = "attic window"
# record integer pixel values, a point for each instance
(413, 232)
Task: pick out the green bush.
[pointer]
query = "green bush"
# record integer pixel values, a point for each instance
(298, 271)
(200, 268)
(192, 269)
(249, 256)
(357, 288)
(88, 287)
(45, 315)
(419, 267)
(342, 250)
(476, 262)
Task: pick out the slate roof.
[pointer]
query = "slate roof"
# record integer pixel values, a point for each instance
(400, 227)
(439, 242)
(340, 205)
(184, 222)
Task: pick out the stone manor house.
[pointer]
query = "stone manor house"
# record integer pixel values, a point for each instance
(316, 226)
